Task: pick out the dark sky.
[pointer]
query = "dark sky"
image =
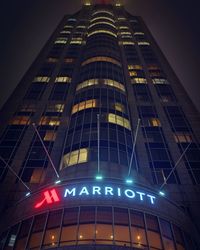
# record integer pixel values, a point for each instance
(27, 24)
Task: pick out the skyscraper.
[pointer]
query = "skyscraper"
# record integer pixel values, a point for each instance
(99, 143)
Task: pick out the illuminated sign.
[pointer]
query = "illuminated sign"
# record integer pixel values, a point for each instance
(49, 197)
(97, 191)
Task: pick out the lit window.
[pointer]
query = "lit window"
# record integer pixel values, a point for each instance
(138, 81)
(63, 79)
(41, 79)
(108, 82)
(72, 19)
(28, 107)
(50, 120)
(52, 60)
(102, 31)
(81, 27)
(97, 23)
(101, 59)
(153, 67)
(121, 121)
(154, 122)
(61, 40)
(50, 135)
(84, 105)
(76, 40)
(65, 32)
(36, 175)
(102, 17)
(123, 28)
(139, 33)
(159, 81)
(133, 73)
(126, 36)
(75, 157)
(68, 27)
(55, 108)
(20, 120)
(119, 107)
(121, 18)
(103, 11)
(87, 2)
(68, 60)
(125, 33)
(138, 67)
(126, 43)
(143, 43)
(183, 137)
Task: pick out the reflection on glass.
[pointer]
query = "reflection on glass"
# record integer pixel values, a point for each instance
(51, 238)
(68, 235)
(122, 235)
(86, 234)
(154, 240)
(104, 234)
(138, 237)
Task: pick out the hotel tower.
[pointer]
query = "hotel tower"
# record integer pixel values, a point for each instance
(99, 143)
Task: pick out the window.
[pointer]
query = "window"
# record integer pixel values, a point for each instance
(116, 119)
(52, 60)
(138, 81)
(75, 157)
(183, 137)
(44, 79)
(159, 81)
(154, 122)
(99, 23)
(20, 120)
(63, 79)
(50, 135)
(126, 43)
(137, 67)
(123, 28)
(36, 175)
(102, 31)
(61, 40)
(133, 73)
(102, 11)
(50, 120)
(55, 108)
(101, 59)
(68, 60)
(108, 82)
(76, 40)
(102, 17)
(84, 105)
(119, 107)
(144, 43)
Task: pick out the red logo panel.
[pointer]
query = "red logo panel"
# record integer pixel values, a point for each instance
(49, 198)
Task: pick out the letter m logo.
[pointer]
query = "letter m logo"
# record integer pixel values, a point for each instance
(49, 198)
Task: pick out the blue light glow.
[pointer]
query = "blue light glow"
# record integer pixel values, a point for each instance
(161, 193)
(58, 181)
(99, 178)
(129, 181)
(28, 194)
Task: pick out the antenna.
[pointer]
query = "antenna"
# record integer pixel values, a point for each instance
(98, 177)
(133, 151)
(11, 170)
(176, 164)
(46, 151)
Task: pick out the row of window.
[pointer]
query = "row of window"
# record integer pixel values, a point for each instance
(101, 59)
(108, 82)
(96, 225)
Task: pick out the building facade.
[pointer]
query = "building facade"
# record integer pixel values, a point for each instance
(99, 145)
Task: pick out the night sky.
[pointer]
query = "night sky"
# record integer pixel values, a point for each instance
(26, 25)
